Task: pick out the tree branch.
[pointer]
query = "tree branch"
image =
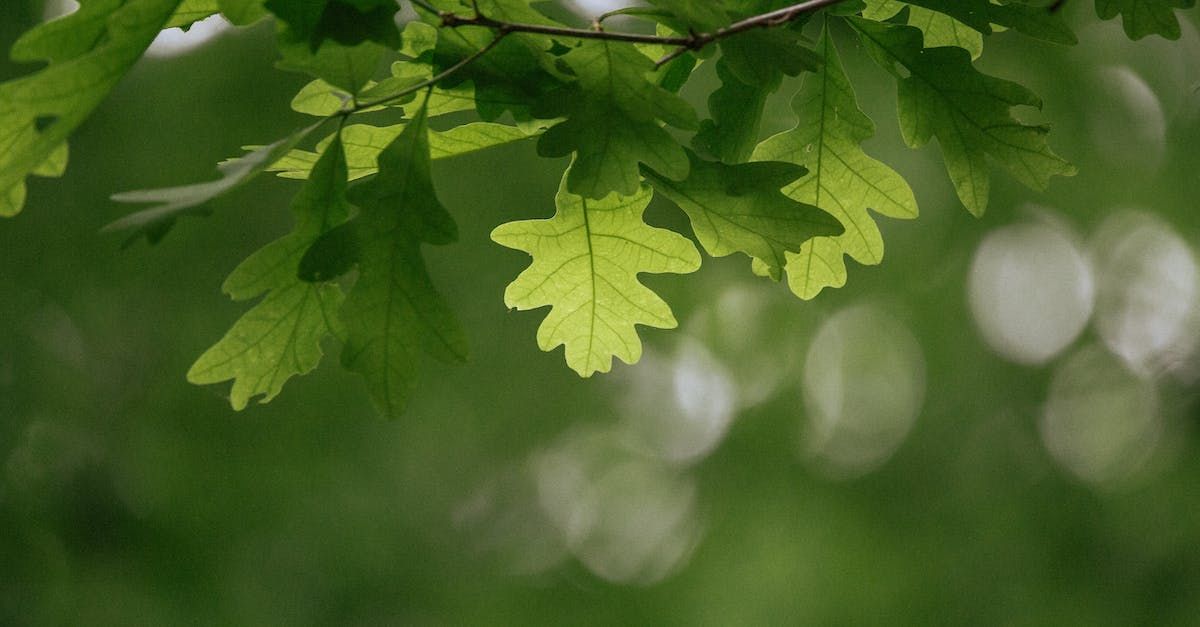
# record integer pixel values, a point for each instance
(692, 41)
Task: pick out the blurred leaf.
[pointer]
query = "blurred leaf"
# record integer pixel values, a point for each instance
(842, 180)
(173, 202)
(942, 94)
(281, 336)
(393, 310)
(585, 265)
(89, 51)
(739, 208)
(1142, 18)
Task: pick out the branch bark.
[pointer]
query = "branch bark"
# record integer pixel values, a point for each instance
(691, 41)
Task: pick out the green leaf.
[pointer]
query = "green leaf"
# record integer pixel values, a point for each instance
(736, 109)
(192, 11)
(740, 208)
(744, 55)
(321, 99)
(612, 124)
(89, 51)
(842, 180)
(512, 77)
(393, 312)
(239, 12)
(586, 261)
(737, 105)
(346, 22)
(1033, 20)
(939, 29)
(173, 202)
(442, 100)
(684, 14)
(364, 143)
(1142, 18)
(941, 94)
(242, 12)
(345, 67)
(281, 336)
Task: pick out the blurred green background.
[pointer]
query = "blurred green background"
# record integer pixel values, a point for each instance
(996, 426)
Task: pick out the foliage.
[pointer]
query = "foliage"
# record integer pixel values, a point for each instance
(353, 269)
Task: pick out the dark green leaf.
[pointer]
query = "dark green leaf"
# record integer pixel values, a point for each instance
(1145, 17)
(347, 22)
(941, 94)
(740, 208)
(612, 124)
(393, 310)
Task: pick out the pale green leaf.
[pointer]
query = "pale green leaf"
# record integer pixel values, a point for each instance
(89, 51)
(281, 336)
(842, 179)
(586, 261)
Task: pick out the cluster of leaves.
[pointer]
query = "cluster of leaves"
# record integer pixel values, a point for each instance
(795, 204)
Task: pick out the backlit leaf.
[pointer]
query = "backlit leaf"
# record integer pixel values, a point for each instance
(281, 336)
(89, 51)
(842, 179)
(586, 261)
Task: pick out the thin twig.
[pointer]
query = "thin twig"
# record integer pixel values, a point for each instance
(777, 17)
(429, 82)
(692, 41)
(454, 20)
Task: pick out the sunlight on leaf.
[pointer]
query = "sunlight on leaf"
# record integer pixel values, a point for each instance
(281, 336)
(585, 265)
